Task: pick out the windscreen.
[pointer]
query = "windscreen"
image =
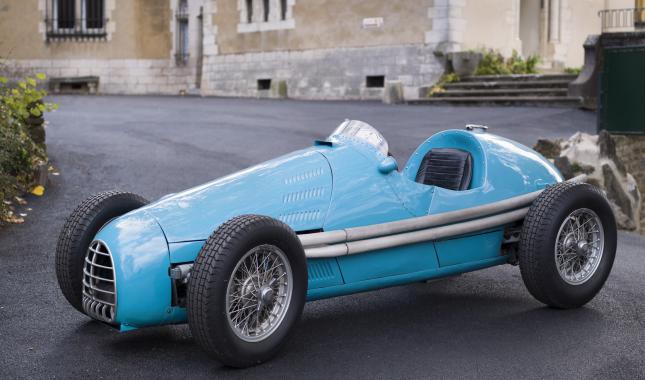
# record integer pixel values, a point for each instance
(362, 131)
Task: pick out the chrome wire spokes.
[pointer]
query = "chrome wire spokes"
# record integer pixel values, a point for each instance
(579, 246)
(259, 292)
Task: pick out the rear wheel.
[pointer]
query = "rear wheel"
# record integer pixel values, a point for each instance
(568, 245)
(247, 290)
(77, 234)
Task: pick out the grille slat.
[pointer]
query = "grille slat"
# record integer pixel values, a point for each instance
(96, 277)
(97, 265)
(99, 252)
(99, 283)
(97, 289)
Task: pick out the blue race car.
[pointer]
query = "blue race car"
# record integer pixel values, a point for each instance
(238, 257)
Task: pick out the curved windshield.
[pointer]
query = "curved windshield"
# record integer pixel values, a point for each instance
(362, 131)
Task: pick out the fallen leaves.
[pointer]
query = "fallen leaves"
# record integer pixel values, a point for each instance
(38, 190)
(14, 219)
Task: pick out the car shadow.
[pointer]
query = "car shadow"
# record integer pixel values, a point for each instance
(442, 321)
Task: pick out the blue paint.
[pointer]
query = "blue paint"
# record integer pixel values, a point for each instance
(185, 252)
(468, 249)
(338, 183)
(378, 283)
(295, 188)
(388, 262)
(323, 273)
(140, 255)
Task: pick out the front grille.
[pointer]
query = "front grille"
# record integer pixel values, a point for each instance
(99, 285)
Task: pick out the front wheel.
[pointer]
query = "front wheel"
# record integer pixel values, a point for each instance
(77, 234)
(247, 290)
(568, 245)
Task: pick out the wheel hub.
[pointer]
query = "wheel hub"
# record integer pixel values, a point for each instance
(259, 292)
(265, 295)
(582, 248)
(579, 246)
(248, 287)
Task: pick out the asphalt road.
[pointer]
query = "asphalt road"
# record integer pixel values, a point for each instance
(479, 325)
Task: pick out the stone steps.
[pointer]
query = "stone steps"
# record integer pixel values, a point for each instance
(509, 84)
(501, 100)
(457, 92)
(519, 77)
(551, 89)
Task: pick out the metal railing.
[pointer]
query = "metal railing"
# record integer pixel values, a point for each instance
(626, 19)
(80, 28)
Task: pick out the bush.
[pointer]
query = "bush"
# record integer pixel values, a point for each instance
(438, 87)
(19, 154)
(573, 70)
(493, 63)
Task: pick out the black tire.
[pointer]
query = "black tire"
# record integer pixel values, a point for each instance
(537, 251)
(77, 234)
(207, 288)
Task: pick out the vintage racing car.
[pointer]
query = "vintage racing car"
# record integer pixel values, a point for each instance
(238, 257)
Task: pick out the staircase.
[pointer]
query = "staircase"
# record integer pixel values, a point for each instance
(548, 89)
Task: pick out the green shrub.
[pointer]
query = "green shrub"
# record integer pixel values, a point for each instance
(19, 154)
(518, 65)
(438, 87)
(19, 157)
(573, 70)
(493, 63)
(26, 99)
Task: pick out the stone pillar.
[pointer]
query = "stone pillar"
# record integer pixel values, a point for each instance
(448, 25)
(209, 44)
(554, 21)
(393, 93)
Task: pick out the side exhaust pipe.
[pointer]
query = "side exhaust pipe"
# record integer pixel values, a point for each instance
(355, 240)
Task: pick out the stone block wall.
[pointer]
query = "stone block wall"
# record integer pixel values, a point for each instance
(322, 73)
(631, 151)
(119, 76)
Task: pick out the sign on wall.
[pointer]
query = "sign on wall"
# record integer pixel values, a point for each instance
(372, 22)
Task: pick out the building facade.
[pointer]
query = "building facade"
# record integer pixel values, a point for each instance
(310, 49)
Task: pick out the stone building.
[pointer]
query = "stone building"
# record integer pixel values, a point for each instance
(311, 49)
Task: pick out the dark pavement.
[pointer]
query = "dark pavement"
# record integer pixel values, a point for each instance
(479, 325)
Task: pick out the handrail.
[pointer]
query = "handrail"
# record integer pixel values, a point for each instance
(624, 18)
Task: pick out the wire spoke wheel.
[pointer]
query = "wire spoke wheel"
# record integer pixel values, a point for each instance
(259, 292)
(579, 246)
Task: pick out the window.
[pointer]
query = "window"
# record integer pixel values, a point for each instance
(265, 15)
(75, 18)
(264, 84)
(375, 81)
(182, 54)
(65, 14)
(93, 14)
(265, 7)
(283, 9)
(249, 11)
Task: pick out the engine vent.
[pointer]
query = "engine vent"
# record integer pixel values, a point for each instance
(99, 285)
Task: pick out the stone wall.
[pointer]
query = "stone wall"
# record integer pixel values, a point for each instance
(119, 76)
(631, 150)
(322, 73)
(615, 163)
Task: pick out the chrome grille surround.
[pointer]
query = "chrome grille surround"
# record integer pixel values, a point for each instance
(99, 283)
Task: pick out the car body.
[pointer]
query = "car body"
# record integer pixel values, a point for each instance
(342, 183)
